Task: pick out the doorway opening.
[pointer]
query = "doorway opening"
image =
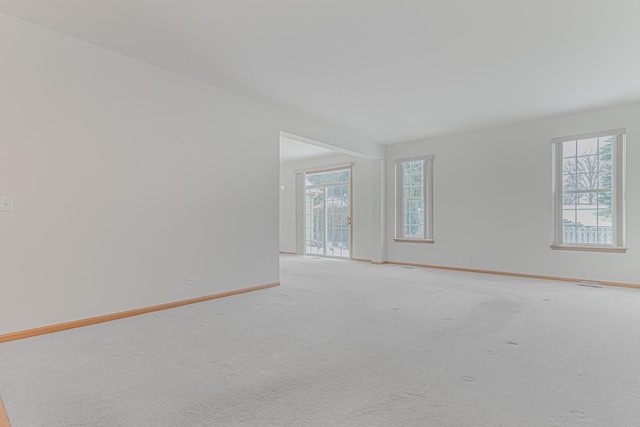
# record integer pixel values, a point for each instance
(327, 213)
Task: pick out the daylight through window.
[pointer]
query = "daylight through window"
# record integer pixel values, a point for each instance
(589, 173)
(414, 206)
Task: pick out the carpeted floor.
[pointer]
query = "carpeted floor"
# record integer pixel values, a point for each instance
(345, 343)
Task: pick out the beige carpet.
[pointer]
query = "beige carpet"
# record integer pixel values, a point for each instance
(345, 343)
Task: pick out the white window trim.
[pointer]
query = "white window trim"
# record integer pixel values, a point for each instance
(619, 185)
(427, 188)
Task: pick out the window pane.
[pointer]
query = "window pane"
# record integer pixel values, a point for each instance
(605, 141)
(605, 208)
(587, 146)
(587, 181)
(569, 216)
(415, 179)
(605, 164)
(587, 217)
(569, 149)
(570, 182)
(586, 199)
(416, 166)
(569, 166)
(584, 162)
(416, 192)
(408, 167)
(604, 180)
(332, 177)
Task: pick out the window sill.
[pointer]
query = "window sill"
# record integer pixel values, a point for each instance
(589, 248)
(414, 240)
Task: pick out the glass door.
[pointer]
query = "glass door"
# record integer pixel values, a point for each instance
(328, 213)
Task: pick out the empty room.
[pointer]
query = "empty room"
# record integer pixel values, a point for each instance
(336, 213)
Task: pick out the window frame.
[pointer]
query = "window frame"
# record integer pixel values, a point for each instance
(618, 187)
(427, 193)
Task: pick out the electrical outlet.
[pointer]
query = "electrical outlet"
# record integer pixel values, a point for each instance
(190, 280)
(455, 256)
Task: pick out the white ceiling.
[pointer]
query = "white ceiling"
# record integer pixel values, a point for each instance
(293, 151)
(390, 70)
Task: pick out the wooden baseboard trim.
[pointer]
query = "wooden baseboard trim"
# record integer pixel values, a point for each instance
(4, 419)
(360, 260)
(504, 273)
(121, 315)
(287, 253)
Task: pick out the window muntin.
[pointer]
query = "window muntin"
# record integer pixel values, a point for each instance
(589, 200)
(414, 205)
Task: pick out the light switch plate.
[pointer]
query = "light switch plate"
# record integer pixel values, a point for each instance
(6, 204)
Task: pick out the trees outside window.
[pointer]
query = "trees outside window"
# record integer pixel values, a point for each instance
(589, 202)
(414, 199)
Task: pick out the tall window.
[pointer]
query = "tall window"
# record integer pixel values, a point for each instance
(414, 199)
(589, 191)
(328, 213)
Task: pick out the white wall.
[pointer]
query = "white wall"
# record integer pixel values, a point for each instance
(127, 179)
(362, 202)
(492, 200)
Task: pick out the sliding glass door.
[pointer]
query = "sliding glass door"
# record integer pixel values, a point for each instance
(328, 213)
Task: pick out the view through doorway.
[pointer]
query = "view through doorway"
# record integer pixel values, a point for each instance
(328, 213)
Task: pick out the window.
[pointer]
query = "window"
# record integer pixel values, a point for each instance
(328, 213)
(414, 200)
(589, 191)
